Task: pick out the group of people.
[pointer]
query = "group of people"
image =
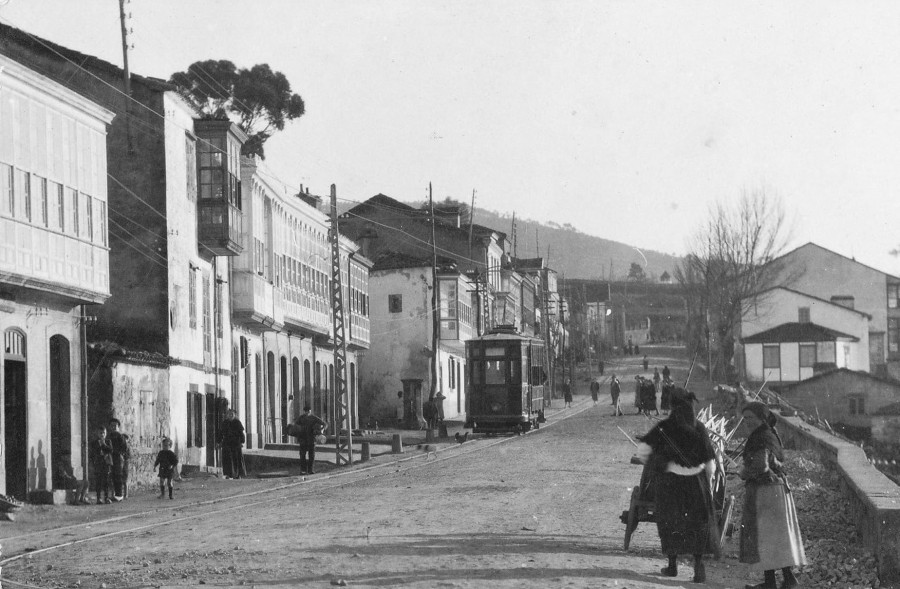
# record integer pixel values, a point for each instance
(682, 462)
(110, 453)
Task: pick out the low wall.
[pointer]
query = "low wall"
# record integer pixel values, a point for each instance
(874, 498)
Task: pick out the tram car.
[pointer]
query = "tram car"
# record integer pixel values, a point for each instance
(506, 382)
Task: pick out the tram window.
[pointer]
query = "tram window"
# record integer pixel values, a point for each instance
(495, 351)
(515, 372)
(476, 371)
(495, 372)
(538, 376)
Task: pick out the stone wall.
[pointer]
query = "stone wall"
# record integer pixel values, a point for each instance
(874, 498)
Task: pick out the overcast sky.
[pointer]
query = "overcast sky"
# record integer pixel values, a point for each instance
(625, 119)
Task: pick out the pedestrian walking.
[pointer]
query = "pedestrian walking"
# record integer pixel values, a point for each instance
(167, 461)
(231, 441)
(600, 367)
(614, 391)
(638, 387)
(567, 392)
(656, 378)
(648, 397)
(770, 532)
(666, 373)
(645, 362)
(665, 401)
(595, 390)
(101, 460)
(120, 457)
(681, 455)
(308, 427)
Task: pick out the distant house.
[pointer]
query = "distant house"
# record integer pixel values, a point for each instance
(844, 397)
(787, 334)
(822, 273)
(665, 278)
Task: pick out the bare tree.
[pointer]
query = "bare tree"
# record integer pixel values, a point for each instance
(732, 259)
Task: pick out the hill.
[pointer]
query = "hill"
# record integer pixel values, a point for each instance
(574, 254)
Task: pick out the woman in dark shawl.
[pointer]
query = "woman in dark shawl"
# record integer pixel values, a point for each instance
(770, 532)
(679, 450)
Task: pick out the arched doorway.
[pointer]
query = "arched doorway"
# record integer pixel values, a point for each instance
(270, 397)
(284, 400)
(15, 405)
(307, 384)
(60, 408)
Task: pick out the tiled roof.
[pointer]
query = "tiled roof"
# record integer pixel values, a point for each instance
(797, 332)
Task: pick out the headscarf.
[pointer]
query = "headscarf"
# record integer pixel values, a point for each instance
(680, 438)
(765, 436)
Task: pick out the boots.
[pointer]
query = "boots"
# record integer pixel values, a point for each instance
(672, 569)
(768, 582)
(790, 580)
(699, 569)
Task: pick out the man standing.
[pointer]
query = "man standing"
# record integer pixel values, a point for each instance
(231, 440)
(310, 426)
(595, 390)
(614, 391)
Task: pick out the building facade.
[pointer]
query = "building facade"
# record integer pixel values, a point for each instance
(283, 344)
(828, 275)
(54, 261)
(787, 336)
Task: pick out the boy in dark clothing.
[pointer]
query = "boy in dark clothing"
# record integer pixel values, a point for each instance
(120, 455)
(101, 460)
(167, 461)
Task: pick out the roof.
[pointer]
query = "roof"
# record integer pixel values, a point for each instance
(797, 332)
(391, 260)
(815, 298)
(834, 372)
(855, 261)
(37, 45)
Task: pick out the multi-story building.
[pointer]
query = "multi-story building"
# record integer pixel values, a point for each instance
(397, 373)
(817, 271)
(159, 356)
(283, 341)
(54, 261)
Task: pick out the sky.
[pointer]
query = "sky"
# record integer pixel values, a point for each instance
(627, 120)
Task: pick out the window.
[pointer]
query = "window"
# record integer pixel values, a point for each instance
(893, 335)
(495, 372)
(57, 196)
(88, 217)
(219, 304)
(190, 155)
(803, 313)
(857, 405)
(212, 155)
(42, 201)
(7, 194)
(102, 227)
(771, 356)
(22, 189)
(450, 373)
(807, 355)
(192, 298)
(207, 317)
(893, 295)
(194, 418)
(395, 303)
(72, 203)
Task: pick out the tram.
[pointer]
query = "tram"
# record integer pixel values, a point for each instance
(506, 382)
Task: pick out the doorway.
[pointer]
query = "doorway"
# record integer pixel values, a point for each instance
(15, 405)
(60, 409)
(412, 402)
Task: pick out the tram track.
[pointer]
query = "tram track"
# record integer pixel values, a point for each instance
(295, 489)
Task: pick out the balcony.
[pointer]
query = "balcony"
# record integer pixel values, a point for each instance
(219, 187)
(359, 330)
(256, 303)
(35, 257)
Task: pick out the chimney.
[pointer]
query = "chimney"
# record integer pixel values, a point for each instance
(310, 199)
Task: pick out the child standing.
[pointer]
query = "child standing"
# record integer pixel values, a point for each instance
(120, 455)
(167, 461)
(101, 459)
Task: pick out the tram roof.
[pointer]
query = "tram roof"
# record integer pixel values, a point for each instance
(506, 336)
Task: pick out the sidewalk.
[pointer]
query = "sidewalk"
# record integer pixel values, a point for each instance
(283, 467)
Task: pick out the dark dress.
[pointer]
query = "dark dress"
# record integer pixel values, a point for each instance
(120, 455)
(665, 399)
(231, 436)
(685, 513)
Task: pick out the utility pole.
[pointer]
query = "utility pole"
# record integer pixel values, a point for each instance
(435, 320)
(587, 327)
(471, 221)
(127, 76)
(343, 437)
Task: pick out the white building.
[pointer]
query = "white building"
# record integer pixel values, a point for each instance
(787, 334)
(283, 343)
(53, 261)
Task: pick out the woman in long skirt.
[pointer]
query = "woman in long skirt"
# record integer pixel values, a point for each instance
(770, 532)
(679, 450)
